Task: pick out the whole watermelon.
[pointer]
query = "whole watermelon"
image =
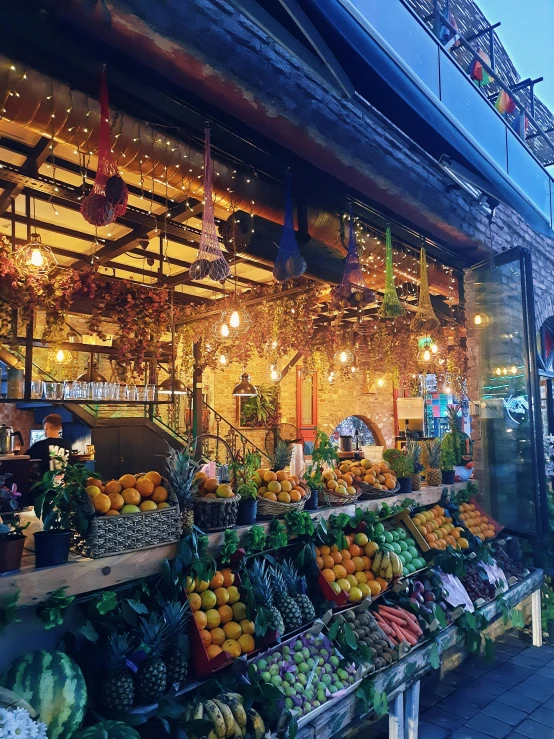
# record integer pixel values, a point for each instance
(54, 686)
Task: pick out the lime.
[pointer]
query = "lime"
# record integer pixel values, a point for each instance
(379, 528)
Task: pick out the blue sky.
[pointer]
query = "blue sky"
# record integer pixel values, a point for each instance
(526, 32)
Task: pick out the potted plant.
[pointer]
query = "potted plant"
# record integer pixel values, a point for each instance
(64, 508)
(313, 477)
(246, 488)
(448, 460)
(12, 540)
(413, 450)
(324, 454)
(402, 466)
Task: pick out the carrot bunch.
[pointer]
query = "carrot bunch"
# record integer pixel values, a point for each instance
(398, 624)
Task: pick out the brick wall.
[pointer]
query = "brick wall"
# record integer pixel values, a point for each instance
(336, 401)
(21, 420)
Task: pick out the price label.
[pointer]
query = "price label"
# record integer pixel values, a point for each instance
(455, 593)
(495, 575)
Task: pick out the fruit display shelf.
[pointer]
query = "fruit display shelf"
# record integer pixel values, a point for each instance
(82, 575)
(398, 677)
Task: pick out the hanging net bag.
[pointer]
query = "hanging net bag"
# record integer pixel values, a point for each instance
(108, 198)
(425, 319)
(353, 277)
(391, 307)
(210, 261)
(289, 262)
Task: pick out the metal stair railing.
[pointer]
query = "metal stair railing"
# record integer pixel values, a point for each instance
(238, 442)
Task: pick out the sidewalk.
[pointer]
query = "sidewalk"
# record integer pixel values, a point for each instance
(510, 697)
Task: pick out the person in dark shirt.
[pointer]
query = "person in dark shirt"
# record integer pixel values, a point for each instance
(52, 445)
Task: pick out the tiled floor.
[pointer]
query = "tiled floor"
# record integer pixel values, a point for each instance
(511, 697)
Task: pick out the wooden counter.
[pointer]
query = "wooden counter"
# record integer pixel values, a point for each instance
(81, 575)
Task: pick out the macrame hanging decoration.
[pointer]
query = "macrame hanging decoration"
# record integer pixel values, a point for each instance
(352, 289)
(108, 198)
(391, 307)
(425, 319)
(210, 261)
(289, 262)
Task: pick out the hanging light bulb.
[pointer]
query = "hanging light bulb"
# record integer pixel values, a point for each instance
(434, 348)
(426, 355)
(380, 382)
(331, 376)
(498, 371)
(513, 370)
(480, 320)
(447, 389)
(353, 369)
(275, 373)
(223, 360)
(234, 320)
(60, 356)
(224, 330)
(34, 258)
(344, 356)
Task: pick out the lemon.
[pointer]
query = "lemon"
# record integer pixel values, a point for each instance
(208, 599)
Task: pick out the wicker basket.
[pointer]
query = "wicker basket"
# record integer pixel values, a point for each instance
(109, 535)
(274, 508)
(216, 514)
(327, 497)
(370, 493)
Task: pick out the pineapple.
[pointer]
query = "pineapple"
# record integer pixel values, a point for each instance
(263, 595)
(433, 458)
(182, 469)
(413, 450)
(288, 607)
(117, 692)
(296, 586)
(151, 679)
(176, 617)
(282, 456)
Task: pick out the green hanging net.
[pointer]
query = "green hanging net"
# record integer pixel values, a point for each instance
(425, 318)
(391, 307)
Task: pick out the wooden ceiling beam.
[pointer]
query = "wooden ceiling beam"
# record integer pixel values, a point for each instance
(35, 158)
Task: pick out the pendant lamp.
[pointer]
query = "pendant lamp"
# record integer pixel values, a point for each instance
(245, 389)
(172, 386)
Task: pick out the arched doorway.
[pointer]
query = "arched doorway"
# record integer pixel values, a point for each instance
(369, 433)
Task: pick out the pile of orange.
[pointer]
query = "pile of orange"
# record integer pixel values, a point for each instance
(129, 494)
(478, 523)
(220, 615)
(278, 486)
(349, 570)
(438, 529)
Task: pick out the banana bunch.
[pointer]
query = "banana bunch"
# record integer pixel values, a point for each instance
(386, 564)
(229, 719)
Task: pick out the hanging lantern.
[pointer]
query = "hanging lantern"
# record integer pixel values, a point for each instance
(274, 372)
(223, 361)
(60, 356)
(425, 318)
(391, 307)
(35, 258)
(234, 321)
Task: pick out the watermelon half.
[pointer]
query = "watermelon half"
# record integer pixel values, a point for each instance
(54, 686)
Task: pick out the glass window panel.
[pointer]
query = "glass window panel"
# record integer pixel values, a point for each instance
(528, 174)
(307, 400)
(472, 111)
(404, 34)
(509, 479)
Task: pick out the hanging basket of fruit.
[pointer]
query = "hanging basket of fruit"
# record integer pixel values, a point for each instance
(134, 512)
